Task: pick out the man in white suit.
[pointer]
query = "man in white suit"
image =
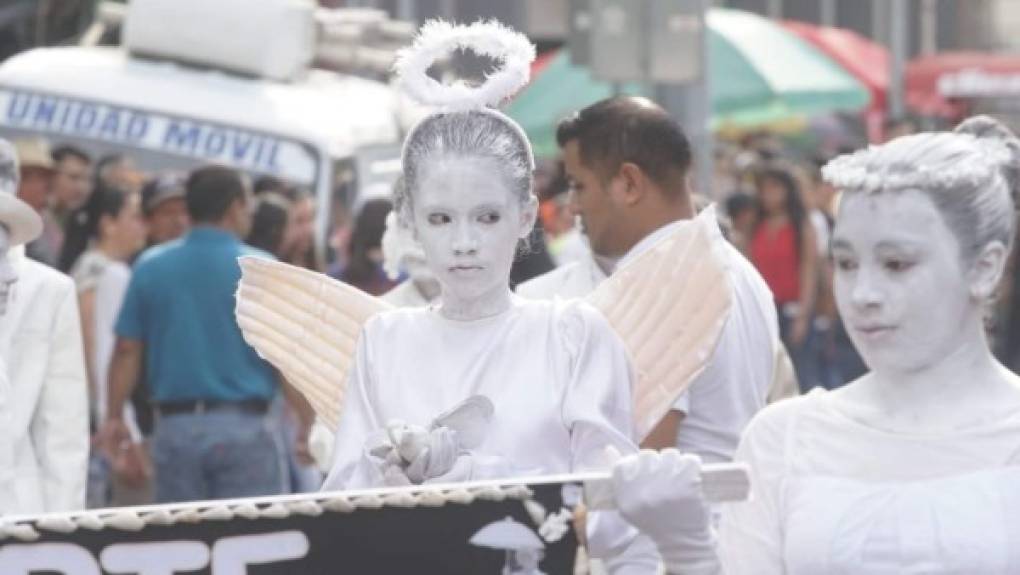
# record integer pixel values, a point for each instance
(44, 436)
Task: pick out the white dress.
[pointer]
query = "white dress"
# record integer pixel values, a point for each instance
(557, 374)
(833, 495)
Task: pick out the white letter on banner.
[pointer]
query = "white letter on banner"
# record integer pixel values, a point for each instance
(64, 558)
(155, 558)
(232, 555)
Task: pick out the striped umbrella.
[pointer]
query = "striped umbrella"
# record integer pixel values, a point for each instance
(759, 73)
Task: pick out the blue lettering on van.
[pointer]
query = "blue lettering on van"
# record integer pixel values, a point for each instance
(270, 163)
(215, 142)
(17, 110)
(114, 124)
(180, 137)
(85, 119)
(240, 146)
(45, 108)
(109, 129)
(137, 127)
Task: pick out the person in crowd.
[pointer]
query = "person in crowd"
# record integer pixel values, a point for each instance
(299, 242)
(742, 209)
(72, 180)
(403, 256)
(897, 126)
(210, 391)
(119, 171)
(364, 261)
(164, 208)
(72, 184)
(44, 407)
(270, 222)
(838, 361)
(628, 164)
(103, 237)
(339, 240)
(784, 248)
(36, 189)
(914, 466)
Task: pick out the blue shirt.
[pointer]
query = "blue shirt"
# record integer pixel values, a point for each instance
(180, 304)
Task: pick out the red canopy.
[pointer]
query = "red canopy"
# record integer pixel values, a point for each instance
(866, 60)
(940, 83)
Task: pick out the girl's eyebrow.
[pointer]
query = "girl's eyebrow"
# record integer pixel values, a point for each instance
(840, 243)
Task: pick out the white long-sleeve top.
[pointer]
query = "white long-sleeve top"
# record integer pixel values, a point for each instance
(834, 495)
(556, 373)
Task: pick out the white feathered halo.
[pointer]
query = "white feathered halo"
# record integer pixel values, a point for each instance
(492, 39)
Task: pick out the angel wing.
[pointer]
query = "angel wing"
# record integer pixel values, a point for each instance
(669, 306)
(306, 324)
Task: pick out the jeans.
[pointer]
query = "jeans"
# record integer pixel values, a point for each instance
(805, 357)
(298, 478)
(216, 455)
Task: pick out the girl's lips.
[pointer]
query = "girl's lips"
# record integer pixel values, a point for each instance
(872, 330)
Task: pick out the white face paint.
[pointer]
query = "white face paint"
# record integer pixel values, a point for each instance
(8, 275)
(468, 221)
(900, 285)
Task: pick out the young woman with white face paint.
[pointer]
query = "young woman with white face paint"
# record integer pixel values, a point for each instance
(915, 467)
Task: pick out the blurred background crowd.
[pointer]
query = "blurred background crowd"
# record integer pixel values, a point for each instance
(79, 100)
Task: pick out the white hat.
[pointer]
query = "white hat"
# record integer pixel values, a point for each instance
(22, 223)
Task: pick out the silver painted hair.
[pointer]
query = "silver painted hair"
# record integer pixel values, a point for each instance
(971, 174)
(477, 133)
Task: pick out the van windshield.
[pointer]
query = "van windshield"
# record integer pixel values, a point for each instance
(154, 140)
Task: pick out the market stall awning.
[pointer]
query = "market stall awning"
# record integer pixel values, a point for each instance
(866, 60)
(759, 73)
(936, 84)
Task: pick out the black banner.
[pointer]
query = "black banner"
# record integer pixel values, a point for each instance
(472, 530)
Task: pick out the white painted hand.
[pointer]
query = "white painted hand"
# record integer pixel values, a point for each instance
(660, 494)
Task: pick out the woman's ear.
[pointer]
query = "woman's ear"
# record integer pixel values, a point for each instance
(528, 215)
(987, 270)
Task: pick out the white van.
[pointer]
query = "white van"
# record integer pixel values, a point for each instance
(329, 133)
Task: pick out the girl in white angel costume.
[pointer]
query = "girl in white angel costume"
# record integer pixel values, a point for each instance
(481, 384)
(553, 380)
(915, 467)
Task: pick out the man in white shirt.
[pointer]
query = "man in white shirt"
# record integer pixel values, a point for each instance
(628, 164)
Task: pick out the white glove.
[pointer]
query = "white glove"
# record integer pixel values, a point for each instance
(660, 494)
(410, 454)
(436, 457)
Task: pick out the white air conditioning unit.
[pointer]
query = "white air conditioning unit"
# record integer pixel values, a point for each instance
(267, 38)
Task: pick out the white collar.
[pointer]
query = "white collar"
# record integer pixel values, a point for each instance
(665, 231)
(648, 241)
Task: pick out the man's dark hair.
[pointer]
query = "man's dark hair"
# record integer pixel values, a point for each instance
(210, 192)
(69, 151)
(628, 129)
